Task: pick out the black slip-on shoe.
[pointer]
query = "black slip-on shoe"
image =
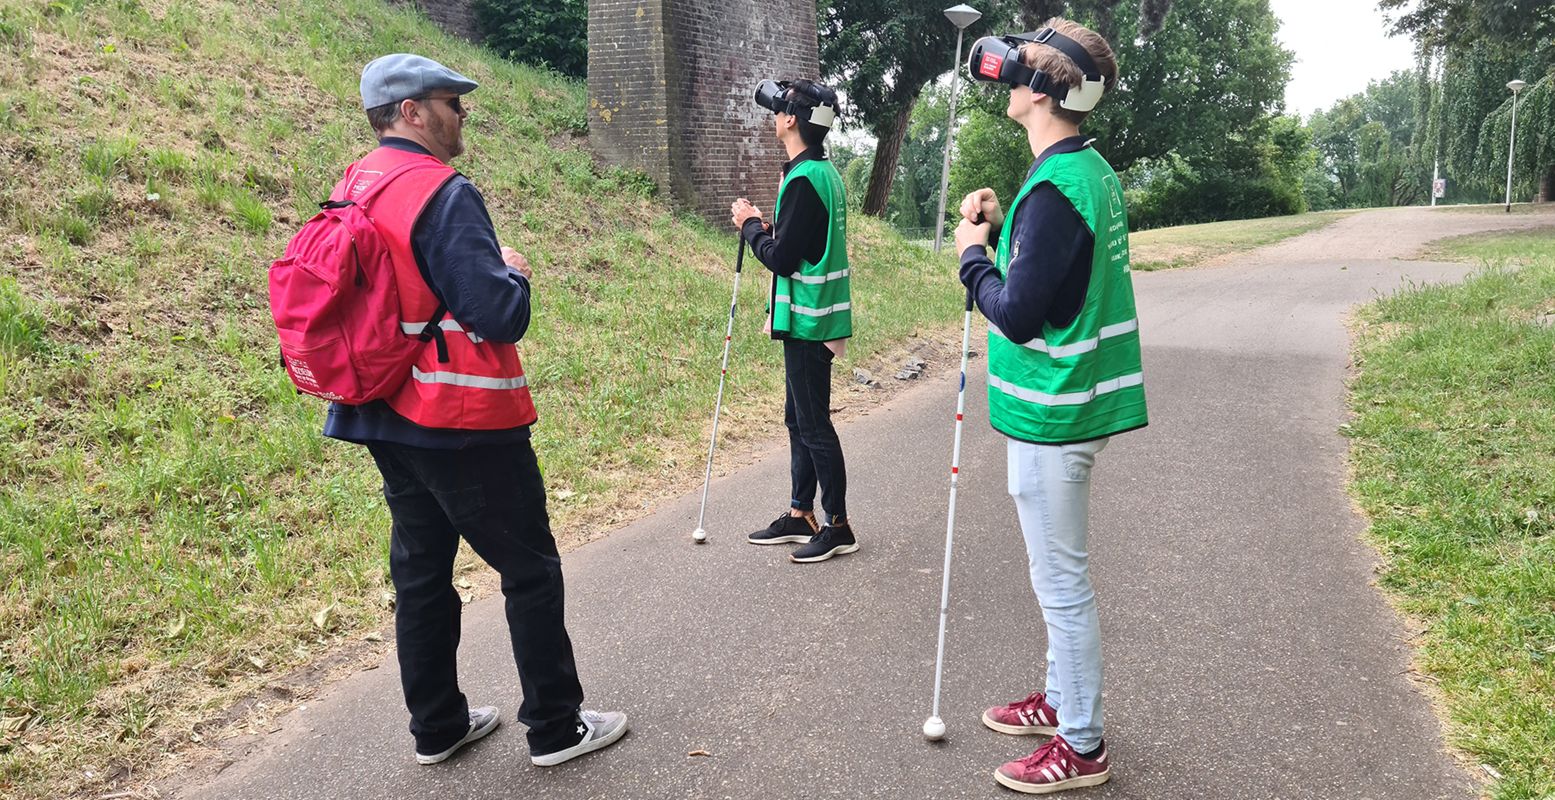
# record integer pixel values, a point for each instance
(833, 540)
(787, 529)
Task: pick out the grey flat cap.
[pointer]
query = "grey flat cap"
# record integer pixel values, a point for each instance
(401, 76)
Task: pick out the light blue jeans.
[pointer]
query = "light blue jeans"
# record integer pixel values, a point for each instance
(1051, 485)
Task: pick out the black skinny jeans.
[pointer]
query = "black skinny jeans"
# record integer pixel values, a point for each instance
(493, 497)
(815, 454)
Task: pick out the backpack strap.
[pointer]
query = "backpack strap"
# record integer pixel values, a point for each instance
(378, 186)
(433, 330)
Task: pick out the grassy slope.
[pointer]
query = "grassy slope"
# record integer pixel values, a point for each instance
(1188, 245)
(173, 530)
(1454, 459)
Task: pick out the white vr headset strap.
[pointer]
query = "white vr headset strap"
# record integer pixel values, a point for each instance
(823, 116)
(1083, 97)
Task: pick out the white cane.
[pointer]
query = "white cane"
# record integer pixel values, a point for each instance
(700, 534)
(934, 727)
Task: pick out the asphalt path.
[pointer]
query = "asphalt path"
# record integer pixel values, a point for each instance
(1247, 652)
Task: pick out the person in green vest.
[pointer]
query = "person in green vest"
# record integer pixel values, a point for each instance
(810, 311)
(1064, 370)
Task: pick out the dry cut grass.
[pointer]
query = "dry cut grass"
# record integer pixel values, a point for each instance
(1191, 245)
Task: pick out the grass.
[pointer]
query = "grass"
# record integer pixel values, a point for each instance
(172, 524)
(1190, 245)
(1520, 248)
(1453, 447)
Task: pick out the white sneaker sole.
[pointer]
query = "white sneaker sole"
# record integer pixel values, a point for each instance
(1045, 788)
(796, 539)
(474, 735)
(840, 550)
(581, 748)
(1018, 730)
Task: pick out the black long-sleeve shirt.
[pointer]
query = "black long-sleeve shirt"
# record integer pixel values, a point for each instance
(1050, 262)
(800, 231)
(455, 246)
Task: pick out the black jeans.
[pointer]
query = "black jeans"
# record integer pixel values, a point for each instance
(493, 497)
(815, 454)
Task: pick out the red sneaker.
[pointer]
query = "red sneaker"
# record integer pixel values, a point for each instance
(1054, 767)
(1022, 717)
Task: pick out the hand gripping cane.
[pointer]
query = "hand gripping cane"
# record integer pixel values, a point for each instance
(700, 534)
(934, 727)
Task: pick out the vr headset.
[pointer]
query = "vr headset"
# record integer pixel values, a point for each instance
(771, 95)
(996, 59)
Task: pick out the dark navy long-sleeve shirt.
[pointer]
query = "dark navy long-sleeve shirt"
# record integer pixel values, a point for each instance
(456, 248)
(1050, 262)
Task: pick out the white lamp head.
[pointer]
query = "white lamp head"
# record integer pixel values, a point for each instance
(962, 15)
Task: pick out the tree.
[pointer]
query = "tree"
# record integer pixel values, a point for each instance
(915, 191)
(1439, 23)
(1369, 145)
(1193, 107)
(1099, 14)
(1480, 45)
(1215, 68)
(882, 53)
(544, 33)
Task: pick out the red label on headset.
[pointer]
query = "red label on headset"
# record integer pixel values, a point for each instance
(990, 66)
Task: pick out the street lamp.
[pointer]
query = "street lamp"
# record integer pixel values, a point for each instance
(1516, 86)
(960, 16)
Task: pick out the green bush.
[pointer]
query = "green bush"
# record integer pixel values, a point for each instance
(544, 33)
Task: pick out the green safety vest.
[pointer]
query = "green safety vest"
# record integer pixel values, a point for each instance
(816, 303)
(1083, 381)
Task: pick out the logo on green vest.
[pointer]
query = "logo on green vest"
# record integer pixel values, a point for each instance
(1114, 194)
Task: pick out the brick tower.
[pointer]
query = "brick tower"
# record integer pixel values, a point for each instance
(670, 93)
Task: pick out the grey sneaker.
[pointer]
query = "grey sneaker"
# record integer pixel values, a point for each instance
(483, 720)
(599, 729)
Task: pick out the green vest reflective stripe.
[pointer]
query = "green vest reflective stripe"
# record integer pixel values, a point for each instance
(816, 303)
(1083, 381)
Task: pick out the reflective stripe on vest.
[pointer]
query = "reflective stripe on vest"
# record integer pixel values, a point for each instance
(481, 385)
(813, 312)
(447, 325)
(1067, 350)
(816, 302)
(1068, 398)
(468, 381)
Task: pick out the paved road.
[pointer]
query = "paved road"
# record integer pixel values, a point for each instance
(1247, 653)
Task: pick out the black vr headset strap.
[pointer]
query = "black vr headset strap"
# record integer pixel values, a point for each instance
(807, 113)
(1063, 44)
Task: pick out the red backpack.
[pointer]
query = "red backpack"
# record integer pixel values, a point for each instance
(337, 308)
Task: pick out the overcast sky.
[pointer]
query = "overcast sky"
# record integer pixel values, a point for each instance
(1340, 46)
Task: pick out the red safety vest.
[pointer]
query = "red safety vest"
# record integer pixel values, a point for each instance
(481, 384)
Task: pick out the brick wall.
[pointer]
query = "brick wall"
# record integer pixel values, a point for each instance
(670, 93)
(455, 16)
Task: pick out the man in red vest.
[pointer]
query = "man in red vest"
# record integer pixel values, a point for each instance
(453, 442)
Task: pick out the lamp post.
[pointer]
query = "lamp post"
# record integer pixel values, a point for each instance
(1516, 86)
(960, 16)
